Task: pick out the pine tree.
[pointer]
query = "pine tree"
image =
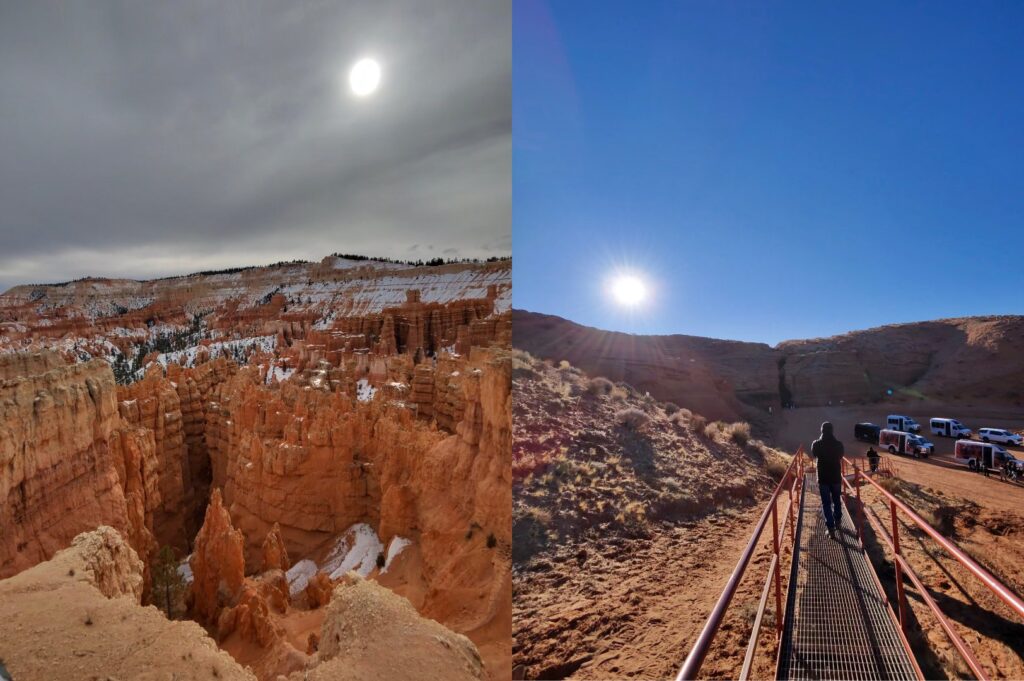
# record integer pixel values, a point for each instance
(168, 584)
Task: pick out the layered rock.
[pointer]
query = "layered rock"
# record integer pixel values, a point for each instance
(217, 562)
(63, 467)
(970, 359)
(275, 555)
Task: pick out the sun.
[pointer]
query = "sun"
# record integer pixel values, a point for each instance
(628, 290)
(364, 77)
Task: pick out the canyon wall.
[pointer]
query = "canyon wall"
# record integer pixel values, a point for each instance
(977, 358)
(67, 464)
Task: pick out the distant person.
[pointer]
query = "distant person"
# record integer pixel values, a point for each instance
(873, 459)
(828, 451)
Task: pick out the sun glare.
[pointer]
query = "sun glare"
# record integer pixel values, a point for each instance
(628, 290)
(364, 77)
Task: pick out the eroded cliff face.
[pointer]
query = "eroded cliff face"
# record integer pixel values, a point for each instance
(66, 463)
(280, 429)
(970, 359)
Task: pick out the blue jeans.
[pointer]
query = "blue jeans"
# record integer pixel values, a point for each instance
(831, 503)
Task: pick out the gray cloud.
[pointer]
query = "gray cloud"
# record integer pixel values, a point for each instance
(146, 139)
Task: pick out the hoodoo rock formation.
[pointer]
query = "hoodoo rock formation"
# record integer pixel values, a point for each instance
(739, 381)
(279, 432)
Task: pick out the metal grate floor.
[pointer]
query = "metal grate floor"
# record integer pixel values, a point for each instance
(836, 625)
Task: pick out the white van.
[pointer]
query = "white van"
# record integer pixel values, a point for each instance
(979, 455)
(949, 428)
(899, 442)
(902, 423)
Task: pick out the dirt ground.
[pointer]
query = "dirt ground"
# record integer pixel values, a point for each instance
(632, 608)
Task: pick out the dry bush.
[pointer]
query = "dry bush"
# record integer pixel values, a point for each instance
(564, 364)
(619, 394)
(599, 386)
(632, 418)
(739, 433)
(633, 517)
(698, 423)
(891, 485)
(776, 467)
(714, 429)
(671, 408)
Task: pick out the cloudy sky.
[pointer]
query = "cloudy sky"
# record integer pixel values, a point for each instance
(147, 139)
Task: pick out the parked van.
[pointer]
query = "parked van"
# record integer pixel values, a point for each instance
(902, 423)
(979, 455)
(867, 432)
(949, 428)
(899, 442)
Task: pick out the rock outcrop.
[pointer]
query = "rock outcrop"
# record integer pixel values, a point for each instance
(65, 462)
(970, 359)
(77, 616)
(217, 562)
(369, 632)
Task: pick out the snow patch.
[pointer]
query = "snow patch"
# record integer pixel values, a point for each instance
(299, 575)
(396, 546)
(364, 391)
(185, 570)
(357, 550)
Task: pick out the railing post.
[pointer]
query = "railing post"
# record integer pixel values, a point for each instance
(778, 565)
(900, 596)
(860, 504)
(792, 532)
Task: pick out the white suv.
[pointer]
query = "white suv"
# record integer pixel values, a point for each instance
(999, 435)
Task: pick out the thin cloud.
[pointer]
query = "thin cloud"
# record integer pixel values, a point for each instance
(144, 140)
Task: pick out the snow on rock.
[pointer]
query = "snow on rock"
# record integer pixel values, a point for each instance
(394, 548)
(357, 550)
(365, 391)
(185, 570)
(299, 575)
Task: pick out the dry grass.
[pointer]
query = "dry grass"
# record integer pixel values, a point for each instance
(632, 418)
(671, 408)
(599, 386)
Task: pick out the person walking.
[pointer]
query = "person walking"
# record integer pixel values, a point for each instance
(828, 452)
(873, 459)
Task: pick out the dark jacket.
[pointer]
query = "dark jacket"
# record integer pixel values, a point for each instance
(829, 453)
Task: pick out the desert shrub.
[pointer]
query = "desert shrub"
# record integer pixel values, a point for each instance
(632, 418)
(714, 429)
(698, 422)
(739, 433)
(633, 517)
(619, 394)
(671, 408)
(599, 386)
(776, 467)
(564, 364)
(891, 485)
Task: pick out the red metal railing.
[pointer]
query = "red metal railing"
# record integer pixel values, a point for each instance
(791, 482)
(902, 567)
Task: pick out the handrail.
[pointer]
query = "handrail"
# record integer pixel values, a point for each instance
(695, 659)
(902, 567)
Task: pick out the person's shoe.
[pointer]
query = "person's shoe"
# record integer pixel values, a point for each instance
(832, 533)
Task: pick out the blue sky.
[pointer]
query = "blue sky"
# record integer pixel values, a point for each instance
(772, 170)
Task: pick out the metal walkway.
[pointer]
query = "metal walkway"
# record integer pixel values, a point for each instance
(837, 625)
